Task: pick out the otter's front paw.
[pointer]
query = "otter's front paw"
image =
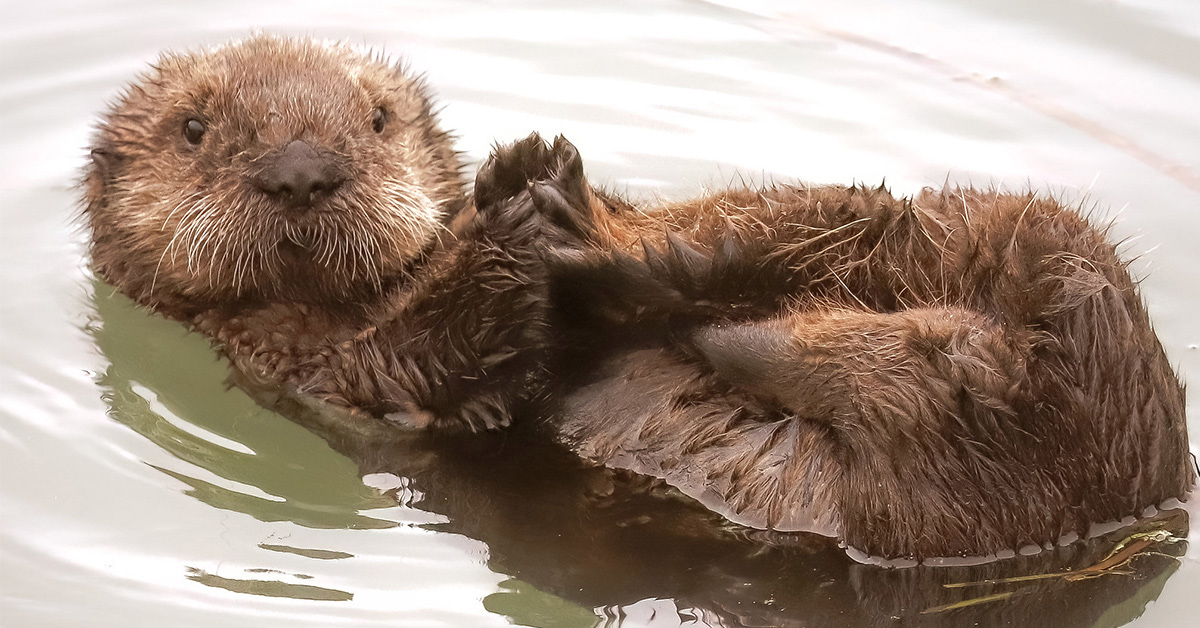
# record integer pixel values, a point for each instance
(508, 171)
(551, 174)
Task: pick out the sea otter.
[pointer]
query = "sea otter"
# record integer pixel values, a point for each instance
(298, 203)
(915, 378)
(963, 373)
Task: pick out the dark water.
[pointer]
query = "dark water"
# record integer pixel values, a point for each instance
(137, 490)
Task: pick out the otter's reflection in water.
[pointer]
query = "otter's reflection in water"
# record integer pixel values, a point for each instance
(604, 538)
(612, 541)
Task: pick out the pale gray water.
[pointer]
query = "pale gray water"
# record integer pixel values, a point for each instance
(137, 491)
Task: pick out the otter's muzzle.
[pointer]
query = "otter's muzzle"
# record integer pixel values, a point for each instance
(299, 175)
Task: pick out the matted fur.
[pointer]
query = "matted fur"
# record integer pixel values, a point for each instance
(960, 373)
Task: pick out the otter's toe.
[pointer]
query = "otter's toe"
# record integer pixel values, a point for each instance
(562, 195)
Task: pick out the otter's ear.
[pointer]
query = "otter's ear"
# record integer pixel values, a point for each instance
(104, 159)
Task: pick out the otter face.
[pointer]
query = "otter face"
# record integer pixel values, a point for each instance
(270, 169)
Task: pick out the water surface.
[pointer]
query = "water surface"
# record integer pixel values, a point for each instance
(137, 490)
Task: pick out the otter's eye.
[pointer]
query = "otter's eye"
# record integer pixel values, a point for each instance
(193, 131)
(378, 119)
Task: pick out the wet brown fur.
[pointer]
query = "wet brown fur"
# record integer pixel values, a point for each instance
(960, 373)
(389, 294)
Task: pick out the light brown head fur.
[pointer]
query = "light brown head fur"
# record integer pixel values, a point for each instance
(174, 197)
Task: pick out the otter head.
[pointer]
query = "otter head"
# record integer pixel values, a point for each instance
(267, 170)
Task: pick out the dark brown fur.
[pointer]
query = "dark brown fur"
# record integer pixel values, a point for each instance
(383, 290)
(960, 373)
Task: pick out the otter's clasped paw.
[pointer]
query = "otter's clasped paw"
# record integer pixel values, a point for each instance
(509, 169)
(552, 174)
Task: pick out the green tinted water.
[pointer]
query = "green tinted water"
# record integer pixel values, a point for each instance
(137, 490)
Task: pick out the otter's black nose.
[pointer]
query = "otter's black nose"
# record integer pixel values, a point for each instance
(299, 174)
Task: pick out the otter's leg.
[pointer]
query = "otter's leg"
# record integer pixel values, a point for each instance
(936, 458)
(469, 341)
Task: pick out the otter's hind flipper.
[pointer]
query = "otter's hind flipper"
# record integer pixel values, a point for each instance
(676, 279)
(923, 404)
